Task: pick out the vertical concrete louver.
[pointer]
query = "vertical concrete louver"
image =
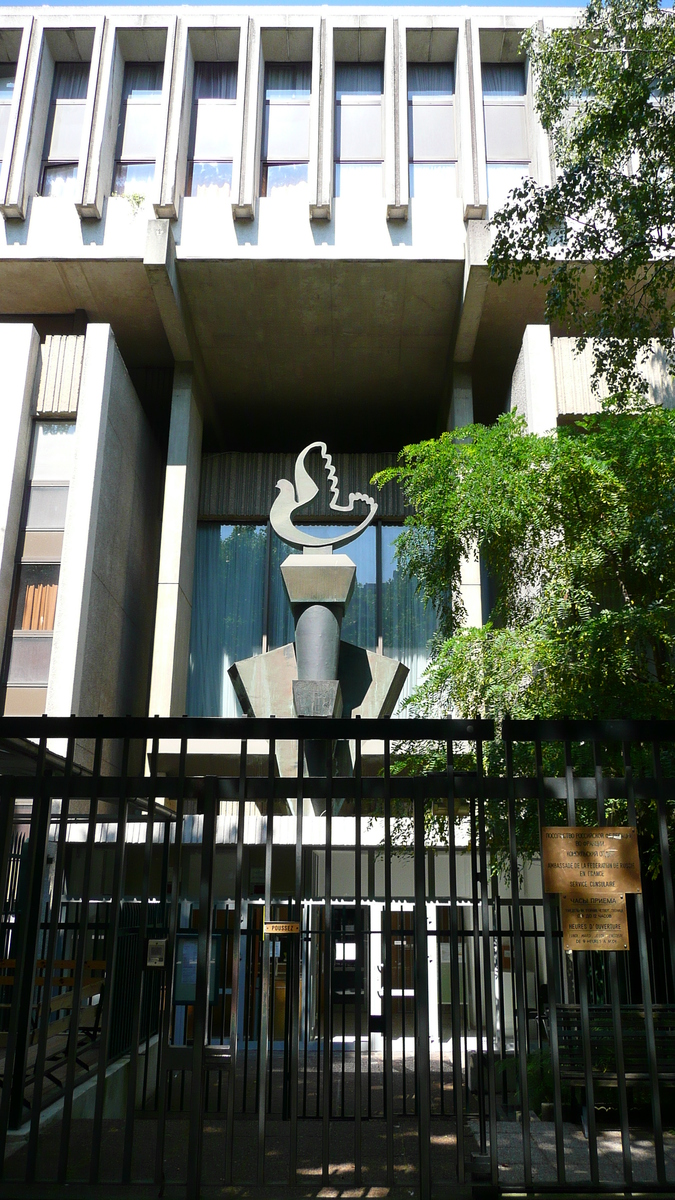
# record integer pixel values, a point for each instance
(60, 374)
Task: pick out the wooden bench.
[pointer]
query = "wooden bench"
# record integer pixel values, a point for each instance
(603, 1052)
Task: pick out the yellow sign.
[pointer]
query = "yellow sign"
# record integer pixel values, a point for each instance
(282, 927)
(602, 861)
(594, 922)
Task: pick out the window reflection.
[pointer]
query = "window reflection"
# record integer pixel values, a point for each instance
(240, 606)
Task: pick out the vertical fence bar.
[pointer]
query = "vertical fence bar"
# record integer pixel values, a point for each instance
(455, 1011)
(646, 987)
(139, 972)
(519, 965)
(328, 973)
(552, 976)
(664, 847)
(79, 967)
(487, 946)
(388, 1064)
(27, 930)
(295, 967)
(358, 962)
(202, 999)
(45, 1012)
(582, 972)
(165, 1030)
(422, 1058)
(236, 956)
(263, 1036)
(615, 998)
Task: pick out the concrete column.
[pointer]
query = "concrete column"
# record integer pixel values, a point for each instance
(461, 404)
(321, 153)
(177, 551)
(533, 389)
(396, 115)
(244, 204)
(19, 350)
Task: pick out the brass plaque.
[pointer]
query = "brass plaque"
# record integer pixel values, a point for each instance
(603, 861)
(282, 927)
(594, 922)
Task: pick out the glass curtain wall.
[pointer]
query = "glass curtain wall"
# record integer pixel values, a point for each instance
(505, 118)
(64, 129)
(359, 144)
(285, 143)
(431, 130)
(212, 134)
(138, 131)
(7, 76)
(240, 607)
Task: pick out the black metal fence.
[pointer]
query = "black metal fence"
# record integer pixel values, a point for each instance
(217, 970)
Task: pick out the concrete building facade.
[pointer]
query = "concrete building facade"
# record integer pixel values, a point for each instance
(226, 233)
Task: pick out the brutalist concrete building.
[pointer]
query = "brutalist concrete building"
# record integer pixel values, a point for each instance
(225, 234)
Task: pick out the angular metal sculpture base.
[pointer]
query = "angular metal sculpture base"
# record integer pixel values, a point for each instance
(317, 697)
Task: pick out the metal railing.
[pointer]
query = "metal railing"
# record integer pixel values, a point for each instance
(217, 973)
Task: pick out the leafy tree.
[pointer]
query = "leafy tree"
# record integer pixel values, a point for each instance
(577, 530)
(602, 238)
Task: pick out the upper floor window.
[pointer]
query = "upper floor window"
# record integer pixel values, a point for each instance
(7, 76)
(431, 129)
(64, 129)
(212, 129)
(138, 131)
(505, 118)
(285, 144)
(359, 141)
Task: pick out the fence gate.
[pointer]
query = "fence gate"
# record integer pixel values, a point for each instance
(265, 952)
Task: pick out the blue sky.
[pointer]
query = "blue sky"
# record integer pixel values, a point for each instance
(308, 3)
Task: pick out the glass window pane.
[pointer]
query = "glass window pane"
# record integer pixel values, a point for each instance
(503, 79)
(66, 130)
(215, 81)
(211, 178)
(133, 178)
(500, 179)
(431, 132)
(7, 76)
(431, 79)
(407, 625)
(142, 80)
(286, 132)
(358, 132)
(279, 178)
(227, 613)
(36, 601)
(288, 81)
(214, 129)
(70, 81)
(433, 181)
(4, 122)
(359, 181)
(53, 451)
(505, 132)
(359, 79)
(360, 621)
(29, 662)
(47, 507)
(141, 130)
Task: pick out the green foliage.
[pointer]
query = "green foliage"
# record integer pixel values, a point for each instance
(577, 532)
(605, 94)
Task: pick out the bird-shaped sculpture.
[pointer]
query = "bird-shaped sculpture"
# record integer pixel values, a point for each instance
(292, 497)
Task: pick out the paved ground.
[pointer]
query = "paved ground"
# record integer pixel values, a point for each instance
(510, 1153)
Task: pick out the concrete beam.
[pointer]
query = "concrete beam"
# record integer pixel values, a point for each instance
(476, 279)
(168, 685)
(160, 265)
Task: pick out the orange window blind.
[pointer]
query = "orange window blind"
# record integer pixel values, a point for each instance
(39, 606)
